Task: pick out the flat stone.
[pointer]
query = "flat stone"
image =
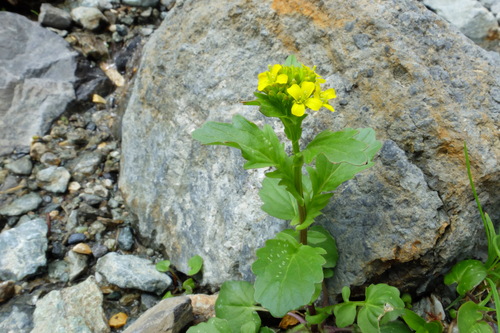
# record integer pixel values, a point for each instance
(22, 205)
(128, 271)
(77, 264)
(23, 250)
(89, 18)
(51, 16)
(36, 80)
(73, 309)
(21, 166)
(170, 315)
(53, 179)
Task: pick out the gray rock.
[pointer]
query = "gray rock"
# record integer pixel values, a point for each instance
(169, 4)
(36, 80)
(23, 250)
(170, 315)
(21, 205)
(430, 89)
(126, 239)
(141, 3)
(58, 270)
(128, 271)
(17, 321)
(54, 17)
(21, 166)
(85, 164)
(77, 264)
(73, 309)
(53, 179)
(470, 16)
(99, 250)
(89, 18)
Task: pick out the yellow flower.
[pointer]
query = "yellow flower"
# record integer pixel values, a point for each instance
(325, 96)
(302, 97)
(271, 77)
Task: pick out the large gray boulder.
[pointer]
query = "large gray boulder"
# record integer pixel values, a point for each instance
(37, 71)
(397, 68)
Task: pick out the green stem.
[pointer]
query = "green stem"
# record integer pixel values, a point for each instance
(297, 170)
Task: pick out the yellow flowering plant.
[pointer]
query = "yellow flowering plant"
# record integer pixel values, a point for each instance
(290, 269)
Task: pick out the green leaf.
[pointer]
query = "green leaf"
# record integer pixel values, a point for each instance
(195, 264)
(167, 295)
(291, 60)
(268, 105)
(214, 325)
(188, 286)
(163, 266)
(470, 317)
(395, 327)
(381, 299)
(327, 176)
(286, 274)
(341, 146)
(346, 293)
(345, 314)
(261, 148)
(236, 304)
(468, 274)
(314, 205)
(317, 236)
(248, 327)
(266, 330)
(278, 202)
(413, 320)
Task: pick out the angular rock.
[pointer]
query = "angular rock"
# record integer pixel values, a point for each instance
(469, 16)
(23, 250)
(77, 264)
(54, 17)
(53, 179)
(170, 315)
(85, 164)
(7, 290)
(89, 18)
(36, 80)
(417, 82)
(17, 321)
(21, 166)
(128, 271)
(74, 309)
(21, 205)
(126, 239)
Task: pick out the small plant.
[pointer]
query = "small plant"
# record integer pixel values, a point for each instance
(195, 264)
(290, 269)
(477, 282)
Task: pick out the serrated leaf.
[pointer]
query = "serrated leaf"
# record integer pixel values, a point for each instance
(345, 314)
(278, 202)
(468, 274)
(314, 205)
(195, 264)
(236, 304)
(261, 148)
(380, 300)
(163, 266)
(340, 146)
(470, 318)
(327, 176)
(214, 325)
(286, 274)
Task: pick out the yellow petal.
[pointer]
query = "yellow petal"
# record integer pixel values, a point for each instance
(295, 92)
(298, 109)
(276, 68)
(307, 88)
(314, 103)
(329, 107)
(282, 79)
(329, 94)
(263, 81)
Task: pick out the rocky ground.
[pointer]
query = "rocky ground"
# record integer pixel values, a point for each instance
(66, 236)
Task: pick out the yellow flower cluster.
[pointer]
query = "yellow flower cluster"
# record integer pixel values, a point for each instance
(302, 84)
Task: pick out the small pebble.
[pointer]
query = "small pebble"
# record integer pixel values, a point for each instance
(114, 296)
(74, 187)
(126, 239)
(99, 250)
(58, 250)
(76, 238)
(82, 248)
(118, 320)
(7, 290)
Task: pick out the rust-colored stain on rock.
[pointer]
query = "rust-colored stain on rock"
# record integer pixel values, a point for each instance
(306, 8)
